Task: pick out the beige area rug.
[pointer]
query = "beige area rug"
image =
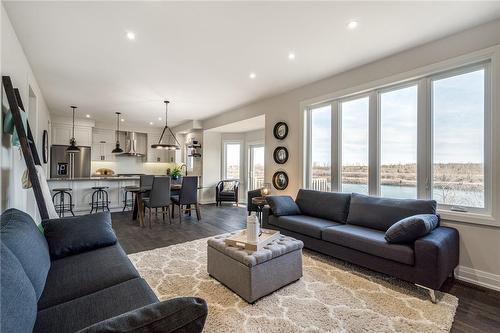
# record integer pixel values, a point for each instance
(332, 296)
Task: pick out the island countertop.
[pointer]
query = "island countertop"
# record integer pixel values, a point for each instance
(96, 178)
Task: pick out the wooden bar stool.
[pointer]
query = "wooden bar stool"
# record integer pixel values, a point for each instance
(99, 199)
(63, 206)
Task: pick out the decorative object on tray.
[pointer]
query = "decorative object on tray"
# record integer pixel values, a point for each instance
(280, 180)
(280, 130)
(253, 228)
(280, 155)
(265, 189)
(45, 146)
(239, 239)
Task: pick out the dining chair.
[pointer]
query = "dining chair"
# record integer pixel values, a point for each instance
(146, 180)
(188, 195)
(159, 197)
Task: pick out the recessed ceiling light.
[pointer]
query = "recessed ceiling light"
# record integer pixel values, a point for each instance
(159, 118)
(87, 115)
(130, 35)
(151, 123)
(122, 120)
(352, 25)
(252, 75)
(291, 56)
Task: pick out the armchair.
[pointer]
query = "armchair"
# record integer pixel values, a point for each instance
(227, 190)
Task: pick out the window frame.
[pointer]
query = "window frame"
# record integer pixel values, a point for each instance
(225, 143)
(425, 136)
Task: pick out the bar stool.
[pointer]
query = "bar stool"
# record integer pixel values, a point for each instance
(132, 190)
(62, 206)
(99, 199)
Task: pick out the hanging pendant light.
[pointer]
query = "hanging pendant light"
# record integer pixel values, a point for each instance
(117, 149)
(169, 144)
(72, 148)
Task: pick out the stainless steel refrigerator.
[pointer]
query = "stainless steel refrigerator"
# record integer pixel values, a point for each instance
(69, 165)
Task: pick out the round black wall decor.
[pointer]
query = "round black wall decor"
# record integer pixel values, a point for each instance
(45, 146)
(280, 130)
(280, 155)
(280, 180)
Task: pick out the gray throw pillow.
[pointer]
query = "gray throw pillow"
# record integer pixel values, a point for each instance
(283, 205)
(411, 228)
(72, 235)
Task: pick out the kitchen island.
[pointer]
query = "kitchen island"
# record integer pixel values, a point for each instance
(82, 190)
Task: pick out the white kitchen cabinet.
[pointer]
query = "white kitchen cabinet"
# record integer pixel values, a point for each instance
(156, 155)
(61, 134)
(103, 143)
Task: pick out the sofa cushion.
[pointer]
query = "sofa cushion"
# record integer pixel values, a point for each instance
(72, 235)
(411, 228)
(87, 310)
(382, 213)
(326, 205)
(182, 314)
(18, 298)
(283, 205)
(302, 224)
(20, 234)
(86, 273)
(369, 241)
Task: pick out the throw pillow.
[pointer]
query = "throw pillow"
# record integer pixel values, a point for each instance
(283, 205)
(411, 228)
(72, 235)
(229, 186)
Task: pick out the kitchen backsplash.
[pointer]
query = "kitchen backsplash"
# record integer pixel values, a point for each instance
(132, 165)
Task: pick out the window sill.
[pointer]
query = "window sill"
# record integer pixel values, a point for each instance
(467, 217)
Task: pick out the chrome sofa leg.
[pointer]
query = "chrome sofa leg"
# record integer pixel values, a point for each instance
(432, 293)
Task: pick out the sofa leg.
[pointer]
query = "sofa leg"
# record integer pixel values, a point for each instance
(432, 293)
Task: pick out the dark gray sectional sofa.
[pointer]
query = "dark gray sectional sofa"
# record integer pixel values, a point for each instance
(95, 290)
(352, 227)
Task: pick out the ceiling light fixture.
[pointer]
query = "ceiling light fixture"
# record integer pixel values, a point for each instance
(169, 144)
(252, 75)
(130, 35)
(291, 56)
(151, 123)
(159, 118)
(122, 120)
(72, 148)
(352, 25)
(87, 115)
(118, 149)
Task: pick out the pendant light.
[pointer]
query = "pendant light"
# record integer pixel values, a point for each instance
(117, 149)
(174, 145)
(72, 148)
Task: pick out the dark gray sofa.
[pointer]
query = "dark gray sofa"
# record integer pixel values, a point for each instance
(352, 228)
(97, 290)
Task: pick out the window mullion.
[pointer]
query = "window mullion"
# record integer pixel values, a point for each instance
(424, 140)
(374, 145)
(335, 147)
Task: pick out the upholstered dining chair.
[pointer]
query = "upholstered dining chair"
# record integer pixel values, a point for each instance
(188, 196)
(227, 190)
(159, 197)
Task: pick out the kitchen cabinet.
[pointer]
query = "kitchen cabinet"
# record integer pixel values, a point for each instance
(61, 134)
(103, 143)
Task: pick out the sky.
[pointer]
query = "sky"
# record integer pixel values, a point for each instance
(458, 123)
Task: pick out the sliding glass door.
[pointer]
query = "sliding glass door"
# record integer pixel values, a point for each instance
(256, 167)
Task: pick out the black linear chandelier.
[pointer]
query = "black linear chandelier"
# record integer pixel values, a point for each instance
(169, 144)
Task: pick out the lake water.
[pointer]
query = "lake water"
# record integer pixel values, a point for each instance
(455, 197)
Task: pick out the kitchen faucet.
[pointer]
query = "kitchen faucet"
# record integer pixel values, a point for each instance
(184, 166)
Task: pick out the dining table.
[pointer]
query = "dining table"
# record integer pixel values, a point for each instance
(140, 192)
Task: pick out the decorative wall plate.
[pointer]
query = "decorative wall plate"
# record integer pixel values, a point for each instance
(280, 130)
(45, 146)
(280, 180)
(280, 155)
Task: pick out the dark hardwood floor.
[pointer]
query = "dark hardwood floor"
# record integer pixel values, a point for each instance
(478, 308)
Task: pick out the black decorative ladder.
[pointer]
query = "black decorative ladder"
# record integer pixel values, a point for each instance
(28, 145)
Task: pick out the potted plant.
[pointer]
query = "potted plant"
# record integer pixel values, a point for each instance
(176, 172)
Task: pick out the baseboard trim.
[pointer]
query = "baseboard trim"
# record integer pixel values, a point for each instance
(478, 277)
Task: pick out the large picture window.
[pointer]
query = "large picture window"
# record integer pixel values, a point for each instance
(425, 138)
(232, 160)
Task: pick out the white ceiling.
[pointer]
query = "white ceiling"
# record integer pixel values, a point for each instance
(199, 54)
(242, 126)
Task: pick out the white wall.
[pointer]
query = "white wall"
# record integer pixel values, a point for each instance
(15, 64)
(480, 245)
(212, 155)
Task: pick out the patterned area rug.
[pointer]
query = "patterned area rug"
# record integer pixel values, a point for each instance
(332, 296)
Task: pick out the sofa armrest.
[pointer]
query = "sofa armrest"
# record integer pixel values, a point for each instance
(184, 314)
(436, 256)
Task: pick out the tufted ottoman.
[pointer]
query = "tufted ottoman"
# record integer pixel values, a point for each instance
(253, 275)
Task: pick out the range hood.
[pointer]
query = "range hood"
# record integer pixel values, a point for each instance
(135, 144)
